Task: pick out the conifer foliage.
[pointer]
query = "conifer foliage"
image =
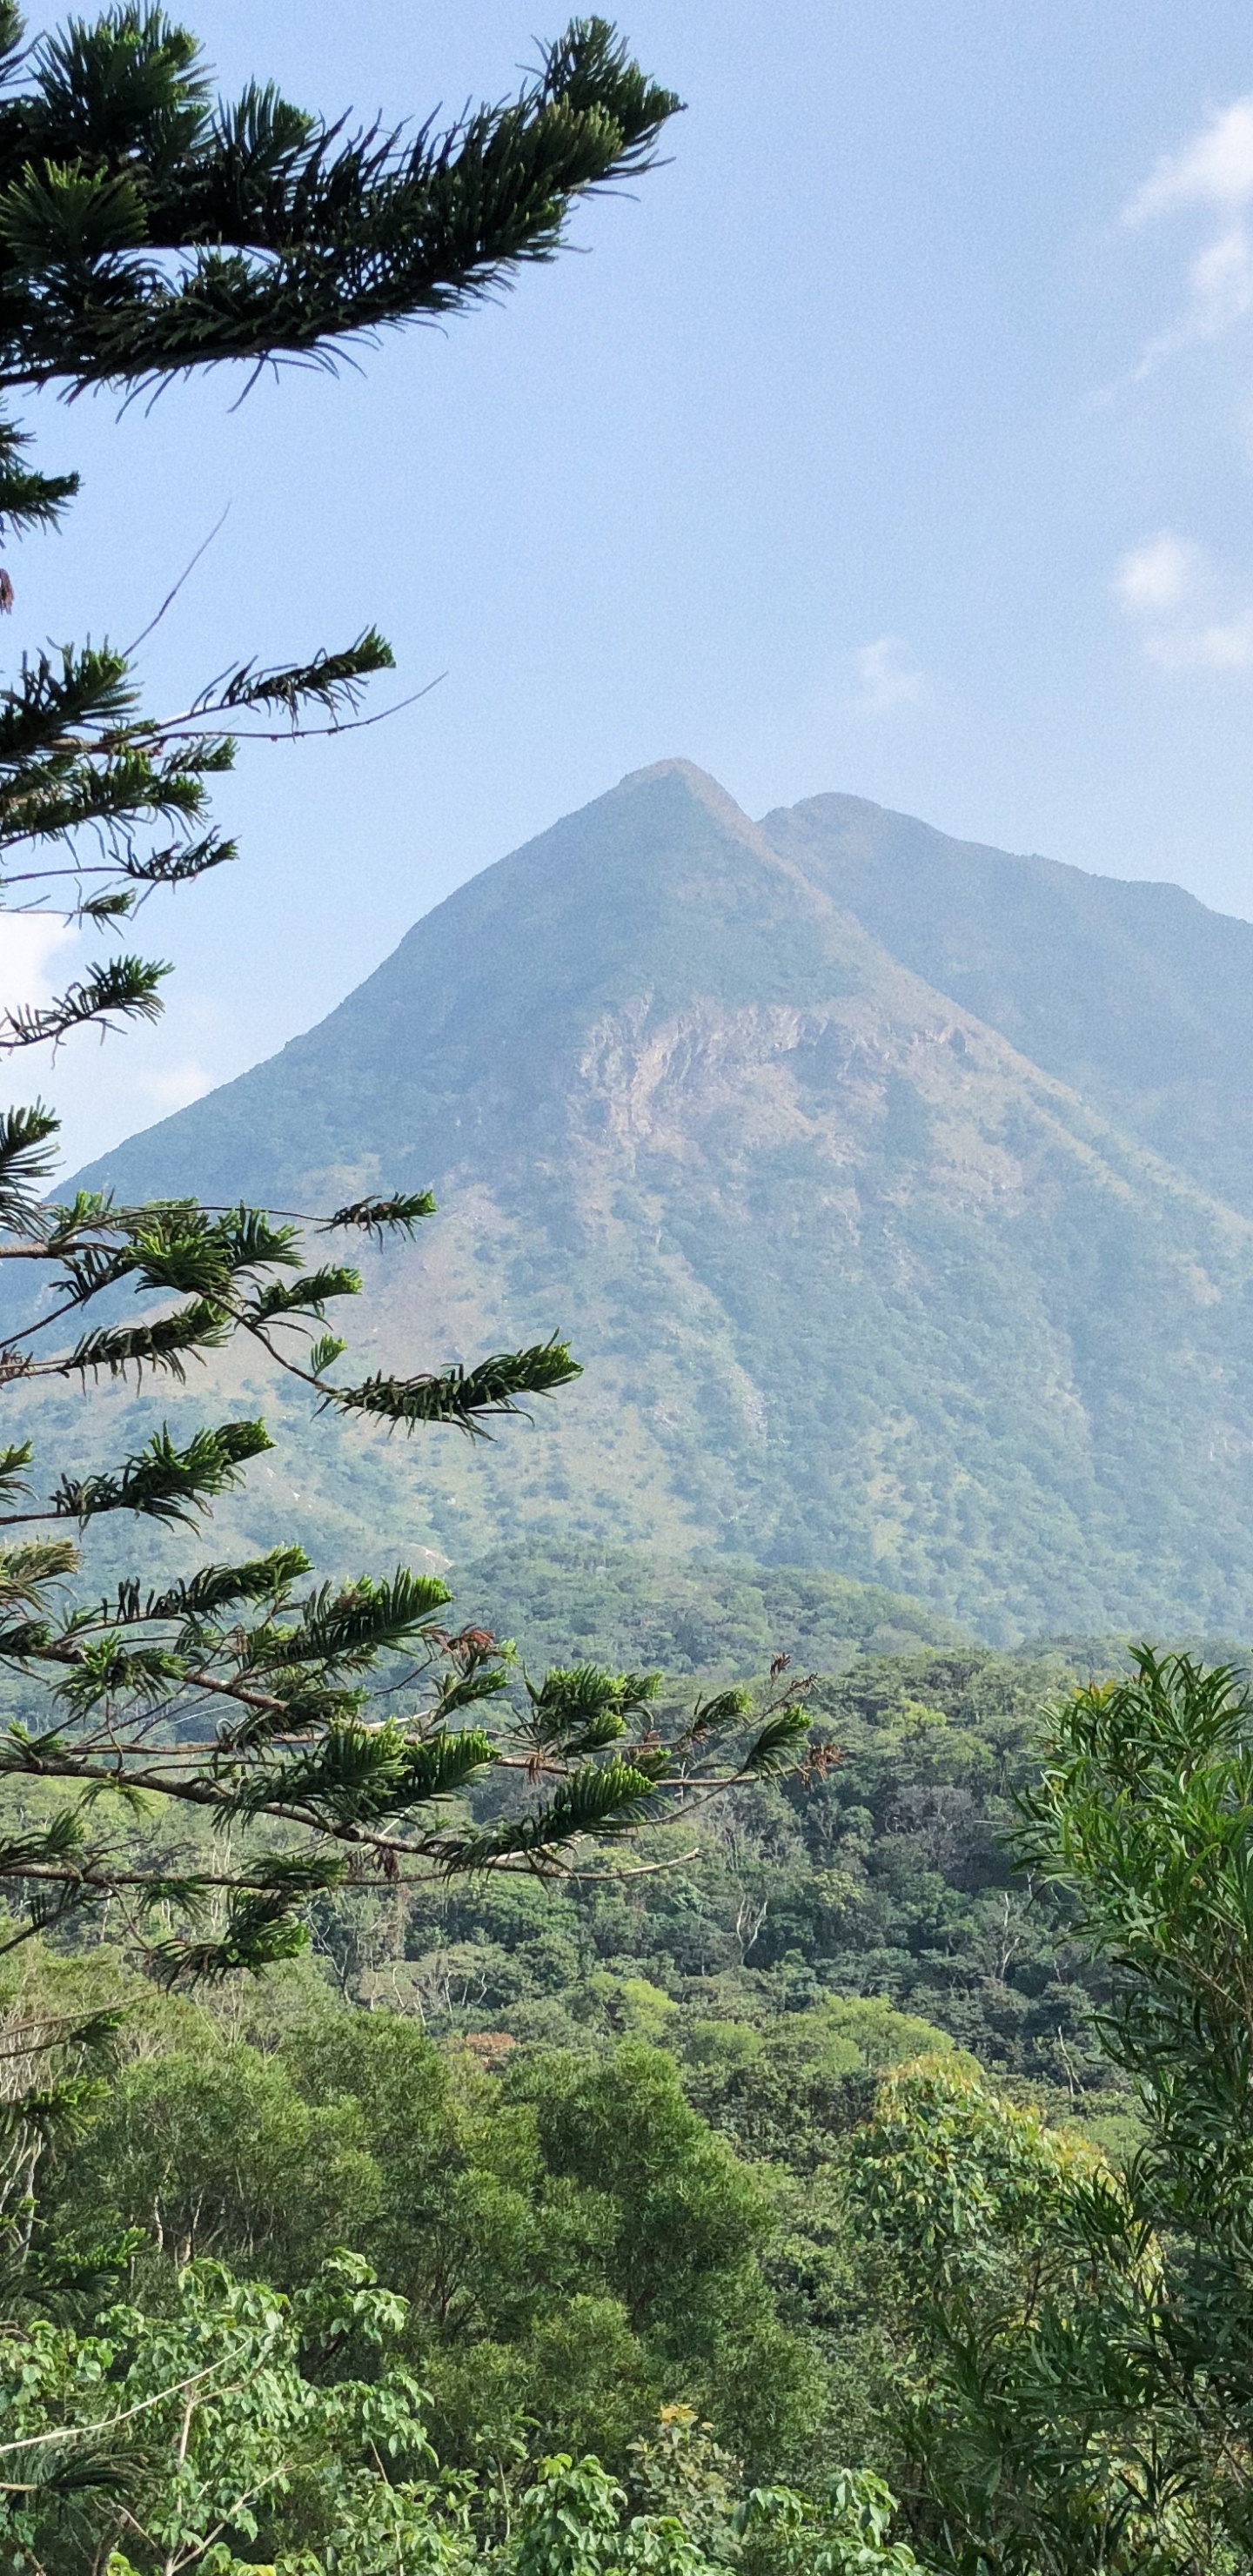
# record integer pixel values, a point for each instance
(144, 232)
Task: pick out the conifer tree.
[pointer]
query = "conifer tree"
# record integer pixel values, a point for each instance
(145, 231)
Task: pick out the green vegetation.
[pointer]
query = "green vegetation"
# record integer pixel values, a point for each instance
(576, 2260)
(706, 1616)
(467, 2102)
(594, 2147)
(758, 2290)
(879, 1870)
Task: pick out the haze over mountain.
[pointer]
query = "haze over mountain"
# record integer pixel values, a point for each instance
(897, 1194)
(1133, 993)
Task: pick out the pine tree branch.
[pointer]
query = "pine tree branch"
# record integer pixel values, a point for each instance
(266, 234)
(143, 233)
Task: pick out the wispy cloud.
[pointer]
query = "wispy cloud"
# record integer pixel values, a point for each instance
(1213, 170)
(175, 1086)
(886, 676)
(1163, 574)
(1227, 645)
(1189, 619)
(28, 943)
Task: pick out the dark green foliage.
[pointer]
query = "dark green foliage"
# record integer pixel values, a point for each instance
(163, 1482)
(267, 1689)
(1028, 2303)
(467, 1397)
(707, 1615)
(380, 1218)
(124, 988)
(580, 1709)
(31, 499)
(1071, 2386)
(144, 231)
(789, 2089)
(573, 2225)
(1144, 1815)
(879, 1870)
(821, 2235)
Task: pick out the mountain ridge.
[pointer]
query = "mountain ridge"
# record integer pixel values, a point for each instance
(1129, 989)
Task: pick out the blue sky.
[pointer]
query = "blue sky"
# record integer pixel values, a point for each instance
(897, 438)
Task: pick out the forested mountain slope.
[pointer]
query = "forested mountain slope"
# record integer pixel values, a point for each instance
(1133, 993)
(856, 1283)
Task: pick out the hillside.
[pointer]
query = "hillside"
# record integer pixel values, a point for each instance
(1133, 993)
(858, 1284)
(714, 1617)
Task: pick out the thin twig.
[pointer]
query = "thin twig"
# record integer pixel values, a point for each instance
(171, 595)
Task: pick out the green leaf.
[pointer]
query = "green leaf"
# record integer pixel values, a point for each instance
(779, 1740)
(26, 1159)
(345, 1627)
(466, 1397)
(162, 1344)
(580, 1708)
(164, 1482)
(608, 1798)
(13, 1465)
(127, 988)
(380, 1217)
(219, 1587)
(324, 1354)
(304, 1296)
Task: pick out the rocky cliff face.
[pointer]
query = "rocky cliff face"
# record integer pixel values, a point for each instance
(856, 1281)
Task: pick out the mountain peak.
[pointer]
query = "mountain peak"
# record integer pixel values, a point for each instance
(1128, 989)
(710, 798)
(824, 1140)
(706, 790)
(676, 766)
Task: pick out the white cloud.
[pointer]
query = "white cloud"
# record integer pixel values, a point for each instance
(886, 677)
(1184, 607)
(1164, 573)
(1214, 171)
(1227, 645)
(1221, 279)
(175, 1086)
(28, 943)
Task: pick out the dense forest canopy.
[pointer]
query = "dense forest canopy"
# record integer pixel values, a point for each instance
(948, 2192)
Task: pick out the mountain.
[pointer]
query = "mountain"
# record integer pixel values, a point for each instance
(858, 1282)
(1133, 993)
